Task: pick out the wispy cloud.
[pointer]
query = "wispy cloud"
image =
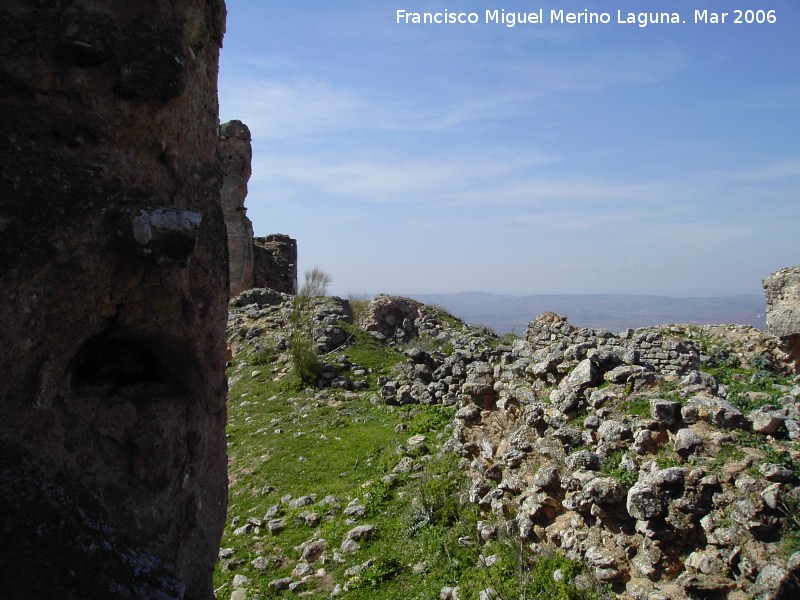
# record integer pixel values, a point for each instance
(298, 108)
(600, 71)
(295, 109)
(776, 171)
(402, 178)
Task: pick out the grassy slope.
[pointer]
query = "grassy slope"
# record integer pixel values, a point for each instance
(323, 443)
(283, 443)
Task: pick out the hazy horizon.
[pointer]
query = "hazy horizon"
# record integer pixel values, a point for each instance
(613, 312)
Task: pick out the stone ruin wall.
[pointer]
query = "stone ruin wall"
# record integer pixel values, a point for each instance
(113, 276)
(255, 262)
(275, 263)
(668, 355)
(236, 154)
(782, 295)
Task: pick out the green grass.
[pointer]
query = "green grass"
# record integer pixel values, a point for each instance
(339, 443)
(520, 573)
(754, 376)
(611, 467)
(331, 442)
(728, 453)
(637, 405)
(375, 356)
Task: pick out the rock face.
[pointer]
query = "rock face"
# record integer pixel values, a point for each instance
(262, 262)
(113, 271)
(236, 154)
(275, 263)
(782, 292)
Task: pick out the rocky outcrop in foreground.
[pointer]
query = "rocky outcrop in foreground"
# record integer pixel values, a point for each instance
(113, 273)
(782, 292)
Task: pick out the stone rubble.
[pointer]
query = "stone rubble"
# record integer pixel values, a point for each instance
(607, 447)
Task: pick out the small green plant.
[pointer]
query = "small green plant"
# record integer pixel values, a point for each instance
(667, 458)
(790, 543)
(306, 365)
(441, 313)
(521, 573)
(611, 467)
(727, 453)
(429, 418)
(359, 306)
(367, 352)
(638, 405)
(578, 418)
(429, 345)
(377, 574)
(783, 458)
(437, 501)
(789, 505)
(507, 339)
(722, 358)
(266, 355)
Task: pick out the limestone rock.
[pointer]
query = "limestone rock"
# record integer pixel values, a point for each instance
(716, 411)
(782, 294)
(686, 441)
(645, 501)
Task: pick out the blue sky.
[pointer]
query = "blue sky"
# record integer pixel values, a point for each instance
(547, 158)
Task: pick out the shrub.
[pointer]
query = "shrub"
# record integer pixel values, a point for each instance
(522, 573)
(306, 365)
(316, 283)
(359, 305)
(378, 573)
(611, 467)
(265, 355)
(437, 498)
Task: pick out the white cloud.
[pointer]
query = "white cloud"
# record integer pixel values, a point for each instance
(294, 110)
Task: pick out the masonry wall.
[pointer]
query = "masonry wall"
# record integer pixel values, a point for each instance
(666, 354)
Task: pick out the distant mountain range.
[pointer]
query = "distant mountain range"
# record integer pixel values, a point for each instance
(614, 312)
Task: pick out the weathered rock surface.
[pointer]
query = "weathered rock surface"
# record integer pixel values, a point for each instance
(601, 491)
(254, 262)
(113, 271)
(275, 263)
(782, 293)
(236, 154)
